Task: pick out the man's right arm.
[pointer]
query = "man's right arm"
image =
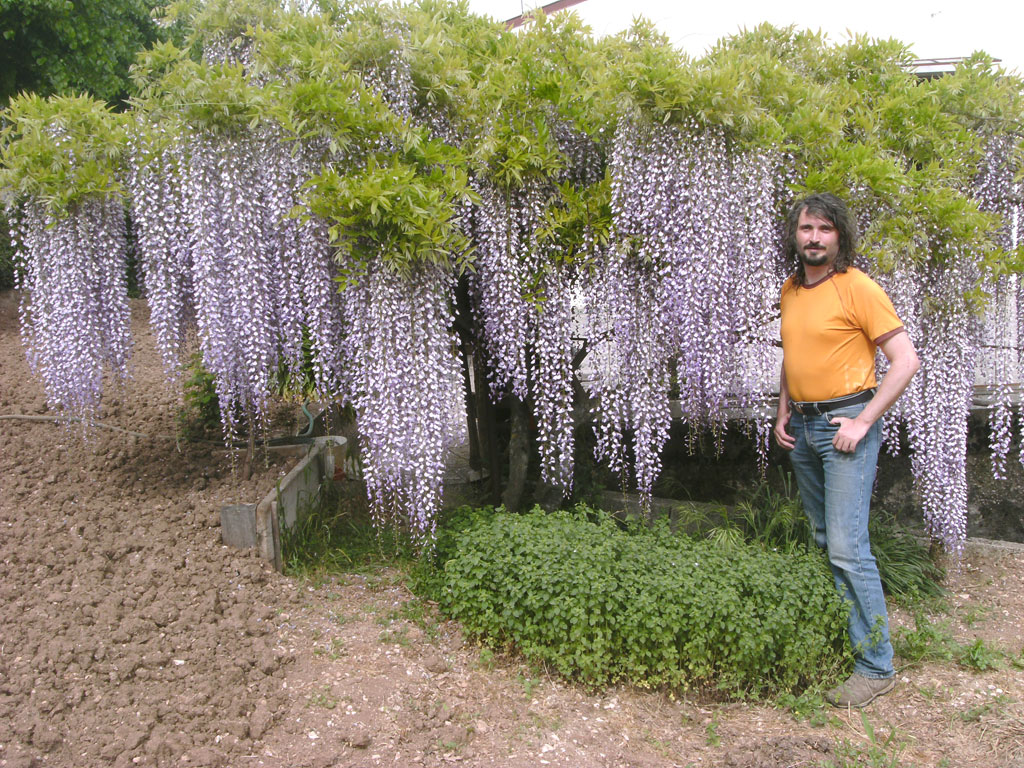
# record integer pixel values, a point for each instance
(782, 437)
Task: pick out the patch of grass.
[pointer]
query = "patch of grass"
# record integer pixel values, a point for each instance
(929, 641)
(1018, 661)
(418, 613)
(995, 705)
(928, 692)
(975, 614)
(337, 648)
(334, 651)
(398, 636)
(415, 612)
(330, 537)
(909, 574)
(775, 520)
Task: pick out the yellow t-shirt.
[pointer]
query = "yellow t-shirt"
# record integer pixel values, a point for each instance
(830, 331)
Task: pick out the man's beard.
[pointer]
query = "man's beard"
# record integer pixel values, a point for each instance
(813, 260)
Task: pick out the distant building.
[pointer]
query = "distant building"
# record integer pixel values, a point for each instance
(929, 69)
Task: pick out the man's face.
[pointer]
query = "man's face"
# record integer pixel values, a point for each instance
(817, 240)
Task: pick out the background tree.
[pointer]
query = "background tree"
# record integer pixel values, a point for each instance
(72, 46)
(69, 47)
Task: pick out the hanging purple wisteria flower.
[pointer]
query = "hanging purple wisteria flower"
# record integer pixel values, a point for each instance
(408, 391)
(74, 304)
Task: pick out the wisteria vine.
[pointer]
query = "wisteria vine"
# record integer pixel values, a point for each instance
(677, 302)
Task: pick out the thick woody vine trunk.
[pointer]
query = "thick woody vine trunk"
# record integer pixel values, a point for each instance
(487, 426)
(484, 453)
(518, 454)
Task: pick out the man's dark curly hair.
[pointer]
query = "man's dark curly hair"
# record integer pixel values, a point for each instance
(830, 208)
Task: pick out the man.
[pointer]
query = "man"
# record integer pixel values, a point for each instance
(833, 318)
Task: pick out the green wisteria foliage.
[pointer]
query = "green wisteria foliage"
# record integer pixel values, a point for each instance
(345, 185)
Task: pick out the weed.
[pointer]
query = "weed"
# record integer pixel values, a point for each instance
(337, 648)
(975, 714)
(874, 753)
(809, 706)
(934, 642)
(398, 636)
(486, 659)
(974, 614)
(322, 698)
(334, 651)
(529, 684)
(1018, 660)
(200, 414)
(928, 692)
(711, 737)
(541, 722)
(979, 656)
(417, 612)
(447, 747)
(926, 642)
(660, 746)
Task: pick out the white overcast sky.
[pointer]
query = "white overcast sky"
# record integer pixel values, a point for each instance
(932, 29)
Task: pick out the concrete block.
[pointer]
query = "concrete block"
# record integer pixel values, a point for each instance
(238, 525)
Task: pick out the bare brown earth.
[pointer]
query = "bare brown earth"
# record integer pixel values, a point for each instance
(130, 636)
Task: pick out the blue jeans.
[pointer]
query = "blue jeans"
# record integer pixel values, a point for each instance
(835, 489)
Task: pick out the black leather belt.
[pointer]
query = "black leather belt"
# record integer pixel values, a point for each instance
(821, 407)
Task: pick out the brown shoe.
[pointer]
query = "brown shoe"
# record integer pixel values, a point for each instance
(859, 691)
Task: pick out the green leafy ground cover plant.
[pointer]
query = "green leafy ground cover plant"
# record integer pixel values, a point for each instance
(600, 603)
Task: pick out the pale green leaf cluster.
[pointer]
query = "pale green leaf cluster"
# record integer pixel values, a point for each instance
(60, 150)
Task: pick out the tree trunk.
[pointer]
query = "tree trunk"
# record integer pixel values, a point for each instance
(518, 455)
(488, 429)
(250, 452)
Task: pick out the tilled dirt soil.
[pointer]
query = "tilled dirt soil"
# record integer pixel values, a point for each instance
(129, 635)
